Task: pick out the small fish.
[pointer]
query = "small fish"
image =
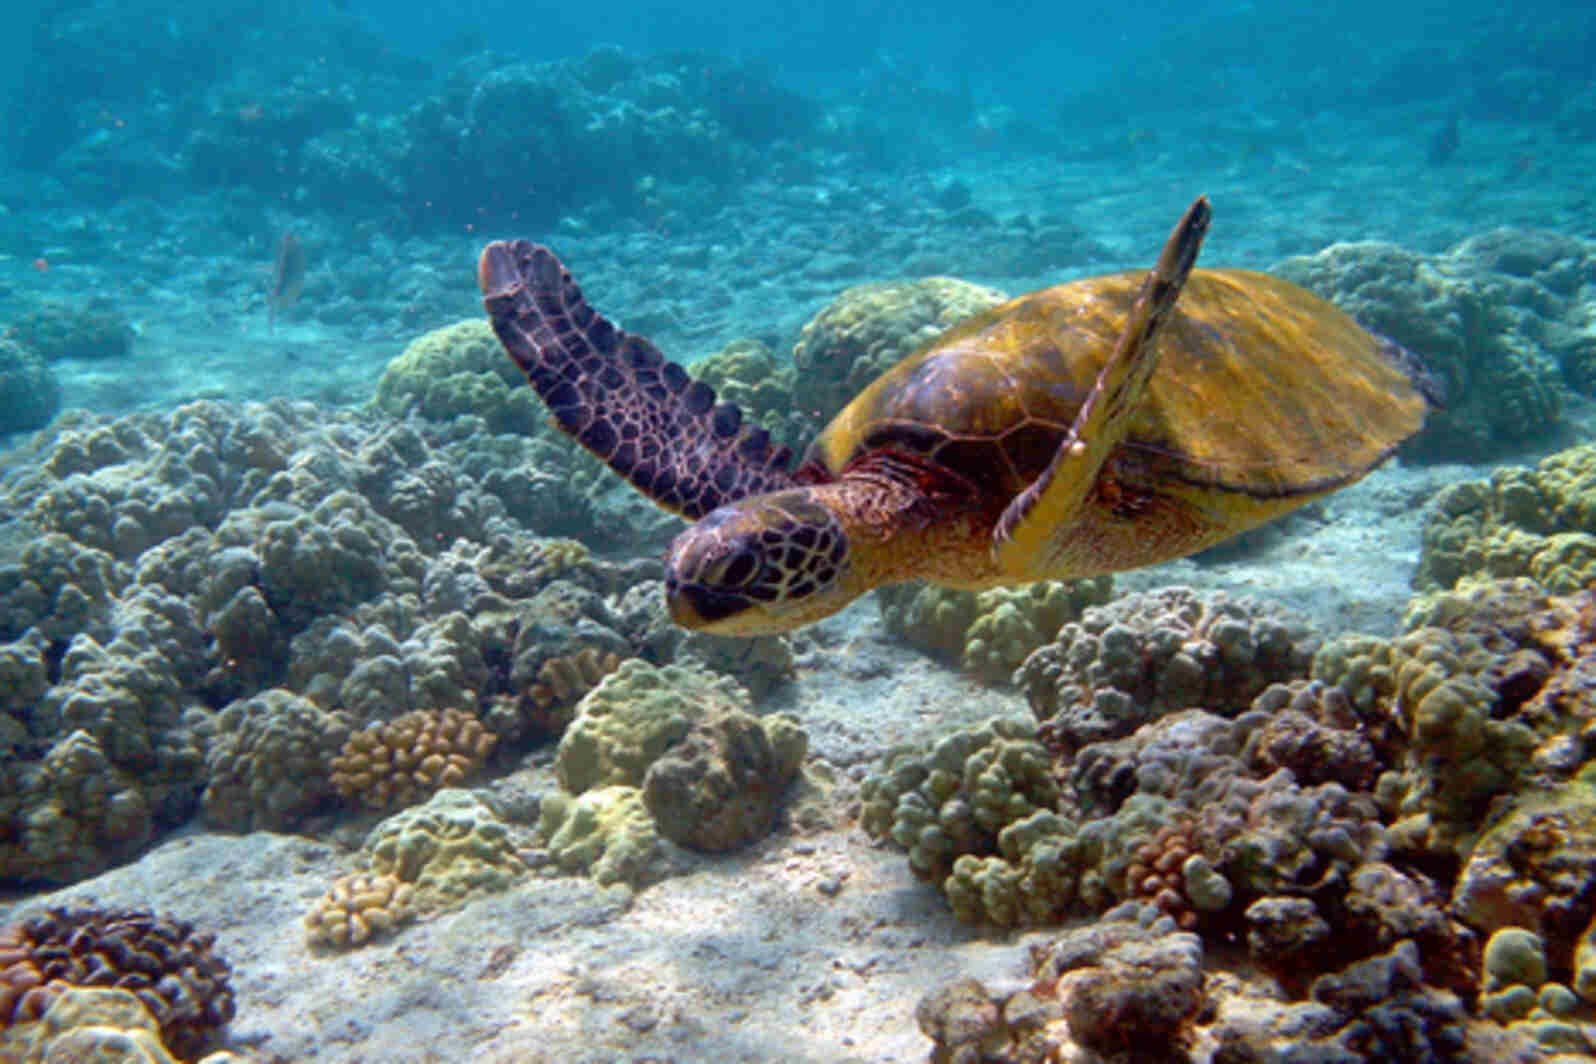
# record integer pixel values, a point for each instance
(288, 277)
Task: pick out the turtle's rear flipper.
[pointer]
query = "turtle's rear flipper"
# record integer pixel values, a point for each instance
(1030, 538)
(617, 395)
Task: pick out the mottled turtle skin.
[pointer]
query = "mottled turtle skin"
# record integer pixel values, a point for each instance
(1091, 427)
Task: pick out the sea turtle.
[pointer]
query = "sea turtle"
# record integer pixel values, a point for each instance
(1031, 442)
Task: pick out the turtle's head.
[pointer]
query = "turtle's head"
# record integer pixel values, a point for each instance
(761, 565)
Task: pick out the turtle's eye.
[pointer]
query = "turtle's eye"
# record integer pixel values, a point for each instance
(738, 569)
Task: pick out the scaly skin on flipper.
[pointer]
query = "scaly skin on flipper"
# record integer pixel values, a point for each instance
(1033, 530)
(617, 395)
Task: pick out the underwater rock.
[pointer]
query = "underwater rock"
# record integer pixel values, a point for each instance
(721, 787)
(1532, 870)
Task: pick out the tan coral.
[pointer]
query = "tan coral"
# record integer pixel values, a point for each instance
(411, 757)
(358, 908)
(564, 679)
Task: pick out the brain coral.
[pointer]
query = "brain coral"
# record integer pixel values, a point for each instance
(606, 833)
(633, 716)
(1501, 317)
(988, 633)
(168, 965)
(1156, 652)
(448, 849)
(868, 329)
(1538, 522)
(29, 393)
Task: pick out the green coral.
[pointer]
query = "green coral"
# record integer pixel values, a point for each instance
(988, 633)
(458, 370)
(1459, 756)
(1031, 881)
(29, 393)
(1478, 316)
(605, 833)
(957, 799)
(868, 329)
(632, 717)
(746, 372)
(1538, 522)
(451, 848)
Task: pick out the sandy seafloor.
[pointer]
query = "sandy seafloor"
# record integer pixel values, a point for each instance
(807, 947)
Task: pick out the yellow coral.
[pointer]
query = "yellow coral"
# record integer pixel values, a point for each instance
(410, 757)
(358, 908)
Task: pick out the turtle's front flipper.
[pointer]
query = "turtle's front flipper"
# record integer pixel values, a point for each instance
(616, 394)
(1030, 539)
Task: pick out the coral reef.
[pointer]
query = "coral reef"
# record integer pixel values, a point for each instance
(868, 329)
(747, 373)
(398, 763)
(87, 330)
(448, 849)
(1498, 317)
(270, 762)
(1151, 653)
(30, 395)
(166, 964)
(207, 604)
(605, 833)
(679, 744)
(988, 633)
(722, 786)
(1538, 522)
(357, 909)
(460, 371)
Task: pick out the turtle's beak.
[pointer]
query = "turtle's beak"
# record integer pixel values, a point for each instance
(696, 607)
